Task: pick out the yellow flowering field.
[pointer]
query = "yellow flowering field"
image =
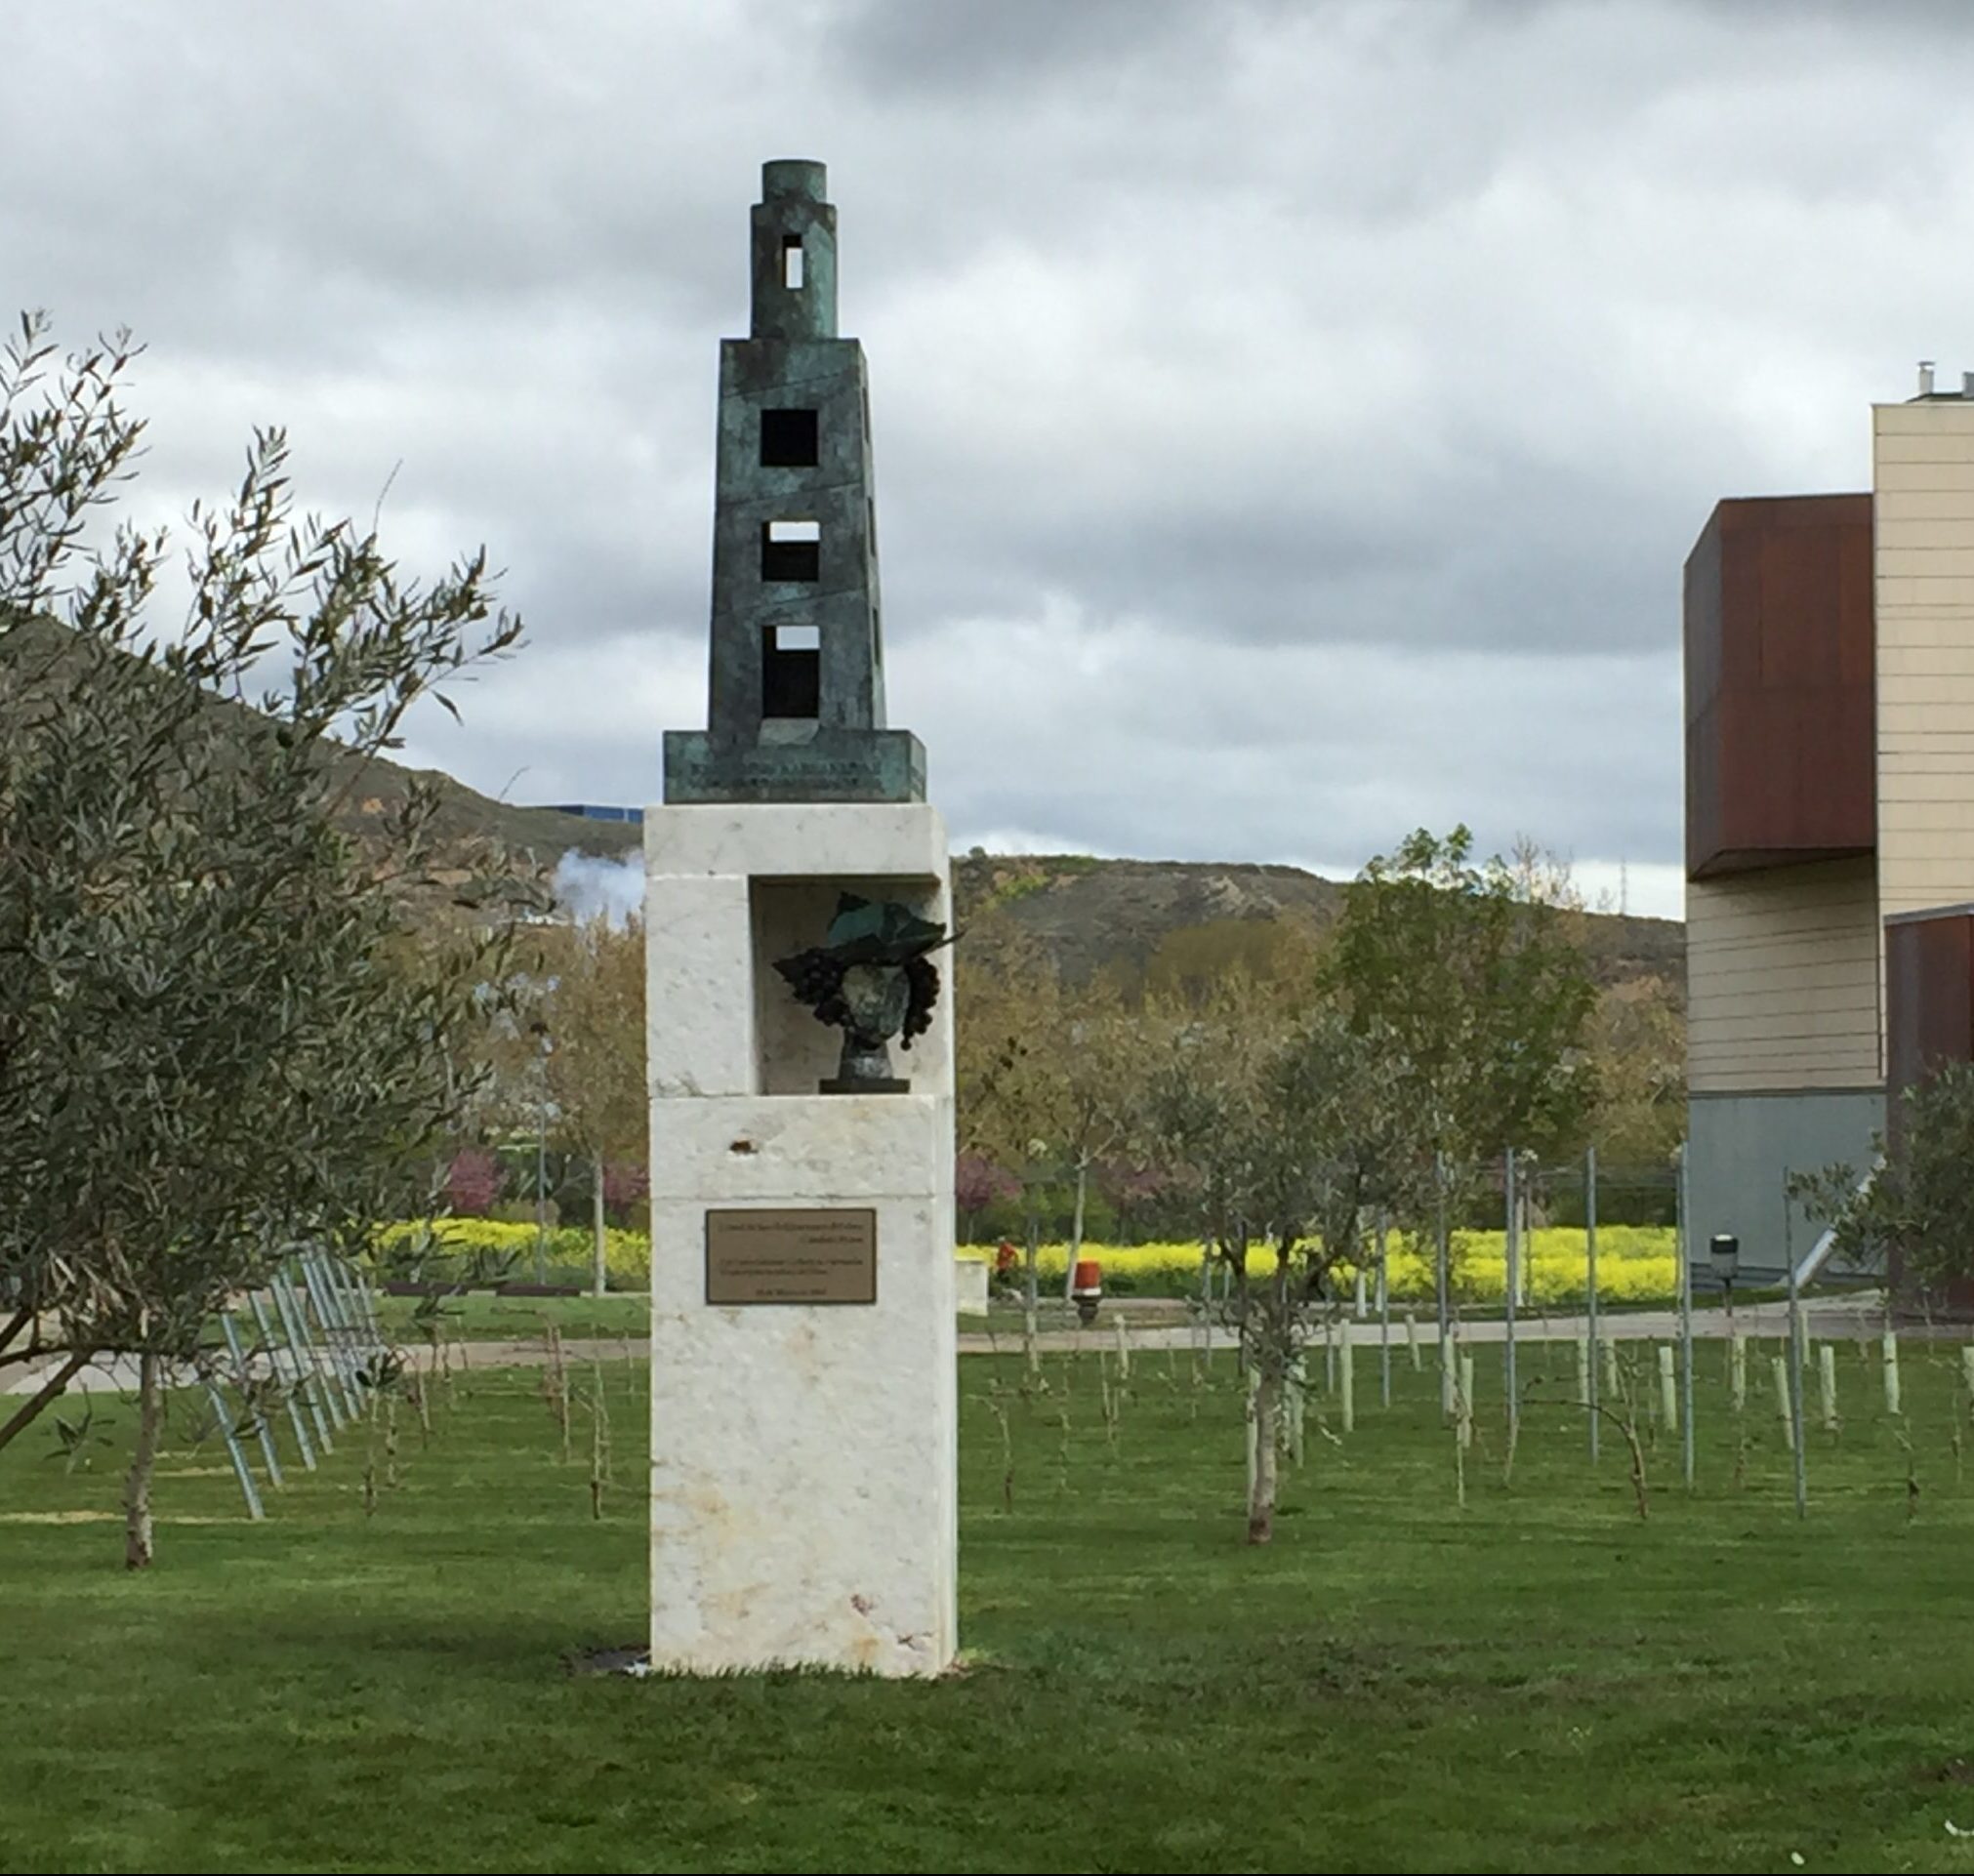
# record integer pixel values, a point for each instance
(1636, 1264)
(626, 1253)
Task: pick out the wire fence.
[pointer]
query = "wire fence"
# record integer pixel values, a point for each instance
(1753, 1395)
(298, 1365)
(1532, 1304)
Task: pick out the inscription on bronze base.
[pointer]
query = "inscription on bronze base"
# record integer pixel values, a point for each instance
(810, 1256)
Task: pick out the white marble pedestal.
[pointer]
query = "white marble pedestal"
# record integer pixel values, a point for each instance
(803, 1453)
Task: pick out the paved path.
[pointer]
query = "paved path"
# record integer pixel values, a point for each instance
(1832, 1320)
(1827, 1321)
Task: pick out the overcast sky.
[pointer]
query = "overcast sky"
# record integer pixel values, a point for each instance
(1290, 418)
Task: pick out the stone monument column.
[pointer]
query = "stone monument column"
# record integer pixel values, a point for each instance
(804, 1392)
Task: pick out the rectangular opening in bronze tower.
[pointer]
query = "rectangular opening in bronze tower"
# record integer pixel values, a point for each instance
(791, 671)
(791, 551)
(788, 439)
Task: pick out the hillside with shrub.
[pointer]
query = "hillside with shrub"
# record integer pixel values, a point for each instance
(1167, 921)
(1147, 922)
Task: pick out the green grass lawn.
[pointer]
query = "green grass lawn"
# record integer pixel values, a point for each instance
(481, 1318)
(1539, 1683)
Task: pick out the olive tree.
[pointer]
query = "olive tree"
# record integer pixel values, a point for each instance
(1291, 1131)
(1474, 974)
(219, 1031)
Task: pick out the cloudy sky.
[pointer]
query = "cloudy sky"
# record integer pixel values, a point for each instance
(1291, 416)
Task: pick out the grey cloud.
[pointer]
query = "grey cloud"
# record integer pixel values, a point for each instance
(890, 44)
(1291, 419)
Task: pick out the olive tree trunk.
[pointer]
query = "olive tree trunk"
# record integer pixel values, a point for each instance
(1267, 1406)
(136, 1528)
(1274, 1348)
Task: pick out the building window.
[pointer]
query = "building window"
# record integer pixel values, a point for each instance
(791, 671)
(790, 261)
(788, 440)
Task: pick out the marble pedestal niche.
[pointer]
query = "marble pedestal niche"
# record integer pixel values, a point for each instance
(803, 1499)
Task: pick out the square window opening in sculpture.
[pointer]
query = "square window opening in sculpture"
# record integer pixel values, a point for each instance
(790, 261)
(791, 551)
(791, 672)
(788, 439)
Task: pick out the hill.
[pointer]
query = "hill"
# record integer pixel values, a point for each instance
(530, 839)
(468, 830)
(1086, 914)
(1092, 914)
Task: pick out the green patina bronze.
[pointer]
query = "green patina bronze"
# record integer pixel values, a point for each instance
(872, 978)
(797, 686)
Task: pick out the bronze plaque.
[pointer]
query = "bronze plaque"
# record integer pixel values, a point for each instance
(792, 1256)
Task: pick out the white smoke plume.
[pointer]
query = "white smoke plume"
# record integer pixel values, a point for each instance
(612, 890)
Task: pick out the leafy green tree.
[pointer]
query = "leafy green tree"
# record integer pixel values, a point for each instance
(218, 1033)
(1636, 1037)
(594, 1054)
(1474, 975)
(1189, 959)
(1914, 1214)
(1046, 1077)
(1005, 1067)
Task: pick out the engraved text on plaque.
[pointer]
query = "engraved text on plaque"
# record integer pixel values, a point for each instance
(784, 1256)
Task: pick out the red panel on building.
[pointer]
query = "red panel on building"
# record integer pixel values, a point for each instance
(1929, 995)
(1929, 1020)
(1780, 741)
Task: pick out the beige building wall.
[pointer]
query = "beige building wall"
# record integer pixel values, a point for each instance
(1923, 472)
(1782, 979)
